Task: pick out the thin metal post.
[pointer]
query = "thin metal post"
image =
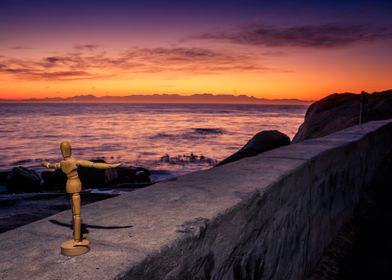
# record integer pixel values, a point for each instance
(361, 107)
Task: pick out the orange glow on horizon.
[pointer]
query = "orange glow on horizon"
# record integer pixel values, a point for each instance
(308, 75)
(271, 86)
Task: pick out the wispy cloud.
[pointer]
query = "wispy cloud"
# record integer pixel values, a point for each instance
(92, 61)
(274, 53)
(20, 47)
(309, 36)
(89, 47)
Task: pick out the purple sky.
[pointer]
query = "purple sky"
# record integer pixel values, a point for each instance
(53, 41)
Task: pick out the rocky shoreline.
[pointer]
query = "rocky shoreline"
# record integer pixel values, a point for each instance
(27, 195)
(24, 180)
(31, 196)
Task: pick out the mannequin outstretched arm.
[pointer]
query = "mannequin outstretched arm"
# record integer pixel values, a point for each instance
(49, 165)
(97, 165)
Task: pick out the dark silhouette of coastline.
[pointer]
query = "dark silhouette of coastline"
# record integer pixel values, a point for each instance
(205, 98)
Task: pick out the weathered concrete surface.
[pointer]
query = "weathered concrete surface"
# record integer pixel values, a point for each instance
(264, 217)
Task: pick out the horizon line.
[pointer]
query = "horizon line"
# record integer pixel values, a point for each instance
(154, 98)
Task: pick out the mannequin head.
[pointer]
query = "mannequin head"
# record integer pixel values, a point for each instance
(65, 148)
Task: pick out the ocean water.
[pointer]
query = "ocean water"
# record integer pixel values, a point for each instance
(174, 137)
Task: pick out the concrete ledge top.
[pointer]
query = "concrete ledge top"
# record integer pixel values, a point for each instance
(127, 229)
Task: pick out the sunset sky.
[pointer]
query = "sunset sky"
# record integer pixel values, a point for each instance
(270, 49)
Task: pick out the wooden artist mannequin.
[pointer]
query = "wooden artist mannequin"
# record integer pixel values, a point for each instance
(79, 245)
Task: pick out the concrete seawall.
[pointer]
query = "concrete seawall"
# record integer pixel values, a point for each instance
(265, 217)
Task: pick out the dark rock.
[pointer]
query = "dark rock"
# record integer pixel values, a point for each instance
(208, 130)
(188, 159)
(261, 142)
(3, 176)
(338, 111)
(98, 178)
(133, 175)
(53, 180)
(22, 179)
(91, 177)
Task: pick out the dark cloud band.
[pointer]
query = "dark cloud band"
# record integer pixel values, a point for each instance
(309, 36)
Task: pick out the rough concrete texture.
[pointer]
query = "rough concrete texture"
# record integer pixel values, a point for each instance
(263, 217)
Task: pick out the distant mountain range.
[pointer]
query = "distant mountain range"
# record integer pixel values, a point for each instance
(164, 98)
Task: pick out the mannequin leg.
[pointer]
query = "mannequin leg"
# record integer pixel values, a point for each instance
(76, 216)
(76, 246)
(73, 210)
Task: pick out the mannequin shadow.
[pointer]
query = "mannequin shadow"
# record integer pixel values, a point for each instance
(85, 227)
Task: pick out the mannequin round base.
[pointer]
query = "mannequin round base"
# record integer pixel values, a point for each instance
(69, 249)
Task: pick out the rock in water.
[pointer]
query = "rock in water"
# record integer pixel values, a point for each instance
(338, 111)
(53, 180)
(4, 176)
(22, 179)
(133, 175)
(97, 178)
(261, 142)
(91, 177)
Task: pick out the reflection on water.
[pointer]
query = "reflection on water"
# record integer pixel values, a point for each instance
(136, 134)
